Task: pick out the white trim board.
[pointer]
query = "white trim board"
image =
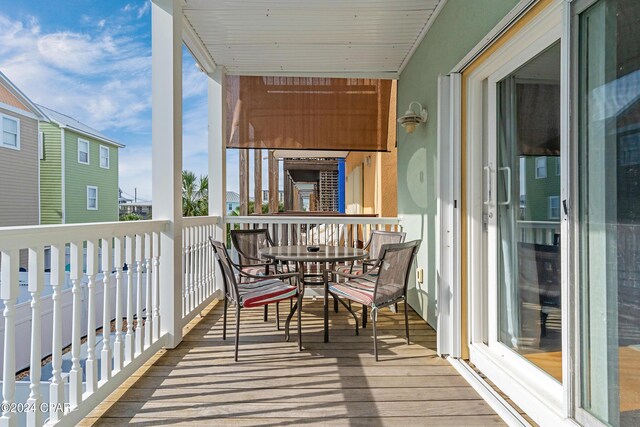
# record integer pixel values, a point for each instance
(505, 23)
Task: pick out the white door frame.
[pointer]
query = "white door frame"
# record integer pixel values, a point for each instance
(535, 392)
(448, 212)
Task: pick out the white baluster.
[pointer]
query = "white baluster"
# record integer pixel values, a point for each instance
(192, 275)
(91, 367)
(156, 286)
(148, 326)
(185, 281)
(105, 357)
(9, 293)
(36, 283)
(75, 374)
(200, 259)
(118, 343)
(194, 264)
(129, 346)
(56, 389)
(139, 296)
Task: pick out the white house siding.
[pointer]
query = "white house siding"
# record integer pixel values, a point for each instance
(19, 176)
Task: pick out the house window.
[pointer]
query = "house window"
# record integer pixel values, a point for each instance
(10, 132)
(104, 157)
(554, 207)
(92, 198)
(541, 167)
(229, 207)
(83, 151)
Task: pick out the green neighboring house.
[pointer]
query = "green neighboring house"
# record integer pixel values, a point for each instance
(79, 177)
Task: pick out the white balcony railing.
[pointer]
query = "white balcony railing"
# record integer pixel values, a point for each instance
(122, 260)
(82, 303)
(341, 230)
(198, 285)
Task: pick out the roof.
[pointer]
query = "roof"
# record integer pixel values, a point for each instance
(33, 108)
(320, 38)
(233, 197)
(69, 122)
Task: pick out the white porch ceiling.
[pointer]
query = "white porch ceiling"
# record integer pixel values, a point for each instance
(335, 38)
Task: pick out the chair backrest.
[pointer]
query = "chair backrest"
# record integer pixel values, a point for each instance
(379, 238)
(224, 261)
(396, 260)
(248, 242)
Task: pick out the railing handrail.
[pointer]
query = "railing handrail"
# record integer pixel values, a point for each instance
(190, 221)
(337, 219)
(33, 235)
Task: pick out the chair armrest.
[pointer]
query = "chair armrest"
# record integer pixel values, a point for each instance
(269, 276)
(347, 275)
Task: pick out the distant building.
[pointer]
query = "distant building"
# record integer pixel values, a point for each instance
(142, 209)
(233, 201)
(19, 154)
(78, 172)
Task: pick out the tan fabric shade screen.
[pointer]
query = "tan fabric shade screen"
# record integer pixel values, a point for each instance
(307, 113)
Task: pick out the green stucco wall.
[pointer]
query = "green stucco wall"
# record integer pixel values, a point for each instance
(51, 176)
(459, 27)
(78, 176)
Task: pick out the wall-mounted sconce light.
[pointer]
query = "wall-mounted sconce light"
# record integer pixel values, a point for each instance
(413, 118)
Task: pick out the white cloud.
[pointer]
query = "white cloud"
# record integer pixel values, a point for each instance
(101, 78)
(144, 8)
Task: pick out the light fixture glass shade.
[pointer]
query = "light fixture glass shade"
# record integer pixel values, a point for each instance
(410, 127)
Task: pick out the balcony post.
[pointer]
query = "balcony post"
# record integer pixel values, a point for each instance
(166, 48)
(217, 158)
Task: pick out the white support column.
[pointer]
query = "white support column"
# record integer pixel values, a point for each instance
(166, 49)
(217, 158)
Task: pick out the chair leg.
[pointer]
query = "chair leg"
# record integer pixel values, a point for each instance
(335, 304)
(266, 312)
(237, 331)
(374, 315)
(224, 320)
(300, 322)
(278, 316)
(364, 316)
(406, 320)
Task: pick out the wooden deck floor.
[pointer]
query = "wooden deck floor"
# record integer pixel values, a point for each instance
(334, 384)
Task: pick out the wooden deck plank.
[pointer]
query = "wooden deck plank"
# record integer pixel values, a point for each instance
(467, 420)
(326, 384)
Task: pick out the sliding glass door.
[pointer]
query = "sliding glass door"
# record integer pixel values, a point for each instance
(527, 158)
(608, 46)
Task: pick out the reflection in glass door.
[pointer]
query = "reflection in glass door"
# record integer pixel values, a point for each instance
(528, 210)
(609, 209)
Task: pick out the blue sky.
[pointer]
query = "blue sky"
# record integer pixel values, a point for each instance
(91, 59)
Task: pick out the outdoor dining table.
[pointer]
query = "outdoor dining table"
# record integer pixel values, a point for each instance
(325, 256)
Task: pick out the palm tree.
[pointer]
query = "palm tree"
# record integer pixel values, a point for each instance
(195, 194)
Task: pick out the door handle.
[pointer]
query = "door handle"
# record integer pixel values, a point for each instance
(507, 169)
(487, 172)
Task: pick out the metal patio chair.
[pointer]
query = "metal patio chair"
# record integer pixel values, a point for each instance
(387, 287)
(261, 290)
(377, 239)
(247, 244)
